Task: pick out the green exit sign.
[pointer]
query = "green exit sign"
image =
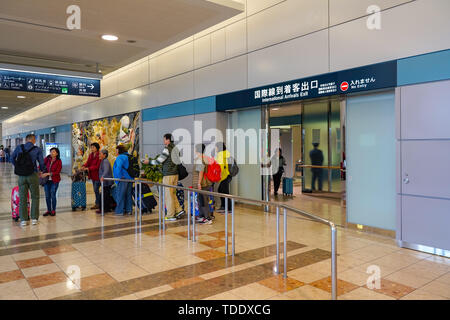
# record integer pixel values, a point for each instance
(64, 90)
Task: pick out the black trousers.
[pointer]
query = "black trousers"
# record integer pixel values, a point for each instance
(108, 199)
(224, 187)
(316, 174)
(277, 180)
(203, 205)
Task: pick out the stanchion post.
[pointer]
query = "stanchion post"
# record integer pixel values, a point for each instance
(135, 199)
(140, 201)
(193, 218)
(103, 199)
(285, 244)
(189, 216)
(159, 206)
(226, 225)
(232, 228)
(333, 263)
(163, 209)
(278, 240)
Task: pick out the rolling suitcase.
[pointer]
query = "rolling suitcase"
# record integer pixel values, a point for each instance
(15, 202)
(288, 186)
(148, 200)
(79, 191)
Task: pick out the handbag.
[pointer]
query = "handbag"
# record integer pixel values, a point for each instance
(43, 181)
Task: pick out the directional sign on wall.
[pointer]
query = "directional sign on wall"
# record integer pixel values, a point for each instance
(373, 77)
(48, 83)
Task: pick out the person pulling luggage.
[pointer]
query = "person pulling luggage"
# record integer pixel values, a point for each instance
(24, 159)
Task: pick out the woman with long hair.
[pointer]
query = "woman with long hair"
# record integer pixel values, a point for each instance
(53, 164)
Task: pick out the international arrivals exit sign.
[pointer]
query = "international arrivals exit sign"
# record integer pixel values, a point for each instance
(373, 77)
(48, 83)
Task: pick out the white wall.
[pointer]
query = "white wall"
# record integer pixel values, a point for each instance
(273, 40)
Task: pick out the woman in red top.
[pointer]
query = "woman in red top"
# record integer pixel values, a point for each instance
(54, 166)
(92, 166)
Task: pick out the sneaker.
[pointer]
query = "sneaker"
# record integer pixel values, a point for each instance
(179, 214)
(98, 211)
(23, 223)
(213, 217)
(95, 207)
(34, 222)
(199, 219)
(46, 214)
(53, 213)
(221, 210)
(206, 221)
(171, 218)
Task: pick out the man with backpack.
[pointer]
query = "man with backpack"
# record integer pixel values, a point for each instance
(169, 159)
(24, 159)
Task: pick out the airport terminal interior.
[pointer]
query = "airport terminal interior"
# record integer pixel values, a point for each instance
(324, 122)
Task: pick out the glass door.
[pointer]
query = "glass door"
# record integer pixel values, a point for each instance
(322, 146)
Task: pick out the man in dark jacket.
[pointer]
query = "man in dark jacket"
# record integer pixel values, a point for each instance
(92, 166)
(30, 182)
(170, 158)
(316, 156)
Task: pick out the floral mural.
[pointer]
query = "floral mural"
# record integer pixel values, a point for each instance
(108, 133)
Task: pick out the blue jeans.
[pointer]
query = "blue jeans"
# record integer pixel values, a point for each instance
(98, 198)
(123, 197)
(50, 195)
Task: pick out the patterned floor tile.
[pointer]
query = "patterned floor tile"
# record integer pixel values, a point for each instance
(278, 283)
(308, 292)
(209, 254)
(214, 243)
(59, 249)
(342, 286)
(186, 282)
(40, 270)
(47, 279)
(364, 294)
(95, 281)
(34, 262)
(393, 289)
(10, 276)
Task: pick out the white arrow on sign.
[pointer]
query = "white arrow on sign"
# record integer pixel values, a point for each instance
(91, 86)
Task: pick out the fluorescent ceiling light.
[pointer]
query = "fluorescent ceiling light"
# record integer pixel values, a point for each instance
(4, 107)
(275, 109)
(109, 37)
(21, 97)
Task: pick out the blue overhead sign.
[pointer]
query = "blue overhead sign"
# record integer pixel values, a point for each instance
(48, 83)
(373, 77)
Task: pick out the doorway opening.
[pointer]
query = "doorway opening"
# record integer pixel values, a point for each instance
(312, 141)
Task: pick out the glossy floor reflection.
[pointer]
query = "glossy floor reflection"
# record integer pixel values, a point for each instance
(82, 255)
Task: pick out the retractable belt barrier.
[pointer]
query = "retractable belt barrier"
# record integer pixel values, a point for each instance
(162, 224)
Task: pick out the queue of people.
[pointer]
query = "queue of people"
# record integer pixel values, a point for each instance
(33, 170)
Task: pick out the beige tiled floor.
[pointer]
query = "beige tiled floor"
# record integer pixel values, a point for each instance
(146, 261)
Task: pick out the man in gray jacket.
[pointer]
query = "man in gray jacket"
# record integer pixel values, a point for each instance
(105, 171)
(169, 158)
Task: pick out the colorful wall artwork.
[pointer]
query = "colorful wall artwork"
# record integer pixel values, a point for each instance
(108, 133)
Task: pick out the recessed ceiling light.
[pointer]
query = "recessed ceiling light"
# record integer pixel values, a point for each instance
(21, 97)
(4, 107)
(275, 109)
(109, 37)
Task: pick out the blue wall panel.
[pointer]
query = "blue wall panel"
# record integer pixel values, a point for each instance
(424, 68)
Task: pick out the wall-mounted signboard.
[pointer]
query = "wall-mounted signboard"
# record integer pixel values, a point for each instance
(49, 146)
(374, 77)
(48, 83)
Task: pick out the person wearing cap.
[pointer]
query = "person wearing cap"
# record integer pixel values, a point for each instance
(316, 156)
